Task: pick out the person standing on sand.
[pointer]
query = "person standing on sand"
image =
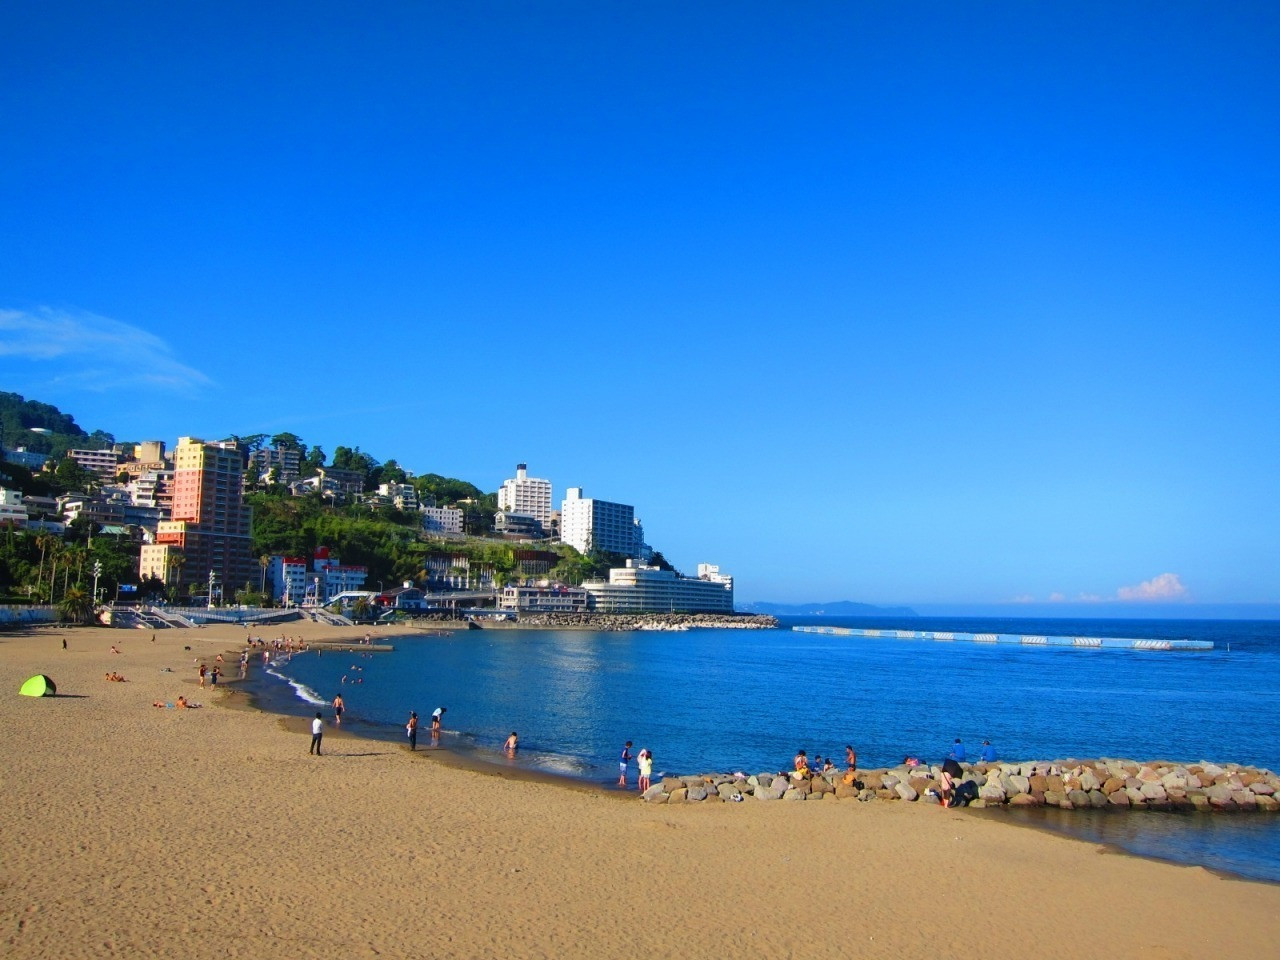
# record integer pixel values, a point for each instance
(622, 763)
(214, 674)
(203, 670)
(412, 728)
(338, 707)
(644, 761)
(317, 734)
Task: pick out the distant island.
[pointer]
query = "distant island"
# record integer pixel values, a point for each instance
(836, 608)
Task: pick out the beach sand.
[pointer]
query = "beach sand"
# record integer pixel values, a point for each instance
(133, 831)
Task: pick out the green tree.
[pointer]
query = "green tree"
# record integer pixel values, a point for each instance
(76, 606)
(70, 477)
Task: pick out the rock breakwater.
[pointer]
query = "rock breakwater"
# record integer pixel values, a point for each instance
(640, 621)
(1067, 784)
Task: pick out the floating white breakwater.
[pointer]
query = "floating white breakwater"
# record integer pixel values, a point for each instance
(1027, 640)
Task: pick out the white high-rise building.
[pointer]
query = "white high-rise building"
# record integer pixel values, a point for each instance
(589, 524)
(525, 495)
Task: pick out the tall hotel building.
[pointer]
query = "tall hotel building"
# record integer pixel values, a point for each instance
(525, 495)
(210, 522)
(588, 524)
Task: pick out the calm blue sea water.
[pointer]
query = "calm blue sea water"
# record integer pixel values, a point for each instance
(707, 700)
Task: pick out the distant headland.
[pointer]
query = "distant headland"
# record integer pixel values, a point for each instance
(835, 608)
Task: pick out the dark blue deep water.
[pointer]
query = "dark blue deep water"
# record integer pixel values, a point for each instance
(723, 700)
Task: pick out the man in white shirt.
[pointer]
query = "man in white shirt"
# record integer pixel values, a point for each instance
(317, 734)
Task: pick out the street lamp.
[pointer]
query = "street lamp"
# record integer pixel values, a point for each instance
(97, 572)
(212, 577)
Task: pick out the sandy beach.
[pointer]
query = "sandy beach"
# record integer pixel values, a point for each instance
(137, 831)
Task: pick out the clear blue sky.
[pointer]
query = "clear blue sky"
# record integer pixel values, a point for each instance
(922, 303)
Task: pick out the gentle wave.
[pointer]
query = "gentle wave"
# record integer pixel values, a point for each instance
(303, 692)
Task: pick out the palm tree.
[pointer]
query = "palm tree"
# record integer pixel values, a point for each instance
(55, 555)
(76, 606)
(72, 555)
(264, 561)
(44, 541)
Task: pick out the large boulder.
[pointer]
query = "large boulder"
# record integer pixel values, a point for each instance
(695, 792)
(905, 792)
(1153, 791)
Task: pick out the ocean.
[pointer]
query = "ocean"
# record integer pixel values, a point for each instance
(746, 700)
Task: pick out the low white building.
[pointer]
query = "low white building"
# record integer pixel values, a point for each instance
(402, 496)
(12, 510)
(553, 598)
(636, 588)
(442, 520)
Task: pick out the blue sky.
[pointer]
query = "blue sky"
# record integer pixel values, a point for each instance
(924, 303)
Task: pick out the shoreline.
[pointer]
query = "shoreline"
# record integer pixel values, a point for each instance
(145, 829)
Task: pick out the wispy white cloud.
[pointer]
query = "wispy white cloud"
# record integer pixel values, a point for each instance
(1167, 586)
(94, 353)
(1057, 597)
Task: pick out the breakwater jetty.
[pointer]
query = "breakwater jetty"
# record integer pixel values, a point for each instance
(1026, 640)
(633, 621)
(1066, 784)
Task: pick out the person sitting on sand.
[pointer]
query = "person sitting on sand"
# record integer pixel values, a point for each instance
(113, 649)
(115, 677)
(182, 703)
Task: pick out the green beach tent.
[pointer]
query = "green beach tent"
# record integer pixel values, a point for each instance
(39, 686)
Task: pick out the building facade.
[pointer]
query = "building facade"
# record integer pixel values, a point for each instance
(548, 599)
(105, 463)
(278, 464)
(588, 525)
(526, 496)
(639, 589)
(209, 522)
(442, 520)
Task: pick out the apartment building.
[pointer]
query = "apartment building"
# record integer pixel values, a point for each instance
(526, 496)
(105, 463)
(446, 520)
(587, 524)
(209, 522)
(279, 464)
